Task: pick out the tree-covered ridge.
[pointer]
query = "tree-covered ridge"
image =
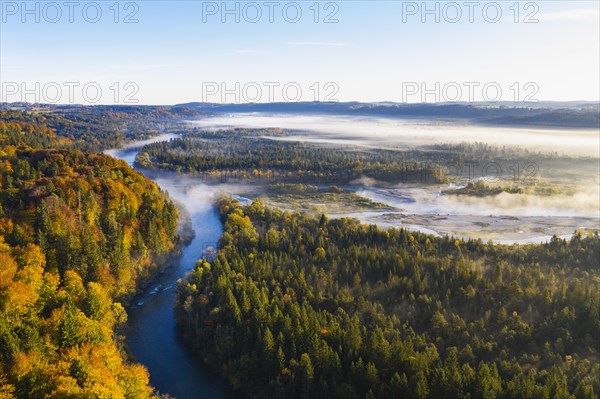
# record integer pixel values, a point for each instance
(86, 128)
(295, 306)
(17, 130)
(245, 153)
(78, 234)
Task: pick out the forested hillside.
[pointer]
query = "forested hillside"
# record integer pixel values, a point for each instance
(302, 307)
(78, 233)
(87, 128)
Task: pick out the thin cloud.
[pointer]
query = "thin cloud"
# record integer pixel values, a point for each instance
(246, 51)
(148, 66)
(239, 52)
(331, 44)
(571, 15)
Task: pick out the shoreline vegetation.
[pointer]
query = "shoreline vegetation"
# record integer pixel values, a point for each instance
(185, 232)
(315, 199)
(183, 236)
(481, 189)
(539, 187)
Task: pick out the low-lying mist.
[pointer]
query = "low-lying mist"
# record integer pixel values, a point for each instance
(430, 200)
(371, 131)
(531, 216)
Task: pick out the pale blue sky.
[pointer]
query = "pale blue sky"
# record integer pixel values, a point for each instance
(370, 54)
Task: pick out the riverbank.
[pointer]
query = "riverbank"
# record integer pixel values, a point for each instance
(185, 235)
(151, 335)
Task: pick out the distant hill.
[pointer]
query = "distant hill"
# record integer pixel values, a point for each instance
(543, 114)
(574, 114)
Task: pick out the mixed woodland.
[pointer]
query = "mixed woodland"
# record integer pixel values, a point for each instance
(79, 233)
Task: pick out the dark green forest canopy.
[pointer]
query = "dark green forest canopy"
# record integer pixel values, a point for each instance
(257, 153)
(333, 308)
(279, 155)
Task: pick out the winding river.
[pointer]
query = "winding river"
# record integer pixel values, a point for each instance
(152, 337)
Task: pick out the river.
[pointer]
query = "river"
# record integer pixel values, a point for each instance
(152, 336)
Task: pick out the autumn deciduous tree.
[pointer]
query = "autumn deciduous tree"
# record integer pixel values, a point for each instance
(69, 258)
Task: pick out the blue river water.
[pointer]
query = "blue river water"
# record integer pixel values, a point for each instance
(152, 337)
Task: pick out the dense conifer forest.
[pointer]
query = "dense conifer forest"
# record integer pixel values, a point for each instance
(264, 154)
(280, 155)
(302, 307)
